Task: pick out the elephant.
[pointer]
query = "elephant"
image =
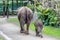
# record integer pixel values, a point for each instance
(38, 27)
(25, 15)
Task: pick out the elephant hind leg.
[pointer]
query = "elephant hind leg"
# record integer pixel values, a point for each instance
(37, 33)
(22, 26)
(27, 28)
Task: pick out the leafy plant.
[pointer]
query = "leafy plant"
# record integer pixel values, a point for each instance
(48, 16)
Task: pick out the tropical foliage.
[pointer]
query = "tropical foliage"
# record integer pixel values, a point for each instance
(49, 16)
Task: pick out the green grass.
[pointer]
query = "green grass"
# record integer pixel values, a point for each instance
(51, 31)
(1, 38)
(13, 19)
(46, 29)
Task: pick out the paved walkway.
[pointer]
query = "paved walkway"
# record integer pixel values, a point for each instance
(13, 31)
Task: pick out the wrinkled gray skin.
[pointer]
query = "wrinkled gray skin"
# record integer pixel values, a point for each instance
(25, 16)
(38, 27)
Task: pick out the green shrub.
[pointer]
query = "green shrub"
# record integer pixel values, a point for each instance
(30, 6)
(49, 16)
(38, 3)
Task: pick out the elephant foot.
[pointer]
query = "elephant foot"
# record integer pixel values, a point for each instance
(39, 36)
(26, 32)
(21, 31)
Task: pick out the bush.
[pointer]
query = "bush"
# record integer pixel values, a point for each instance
(49, 16)
(38, 3)
(31, 6)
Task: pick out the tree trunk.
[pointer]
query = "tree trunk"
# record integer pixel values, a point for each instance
(17, 3)
(7, 9)
(3, 8)
(12, 8)
(34, 5)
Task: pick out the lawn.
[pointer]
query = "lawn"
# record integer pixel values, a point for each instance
(1, 38)
(49, 30)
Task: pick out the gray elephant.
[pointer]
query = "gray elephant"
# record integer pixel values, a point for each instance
(38, 27)
(25, 16)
